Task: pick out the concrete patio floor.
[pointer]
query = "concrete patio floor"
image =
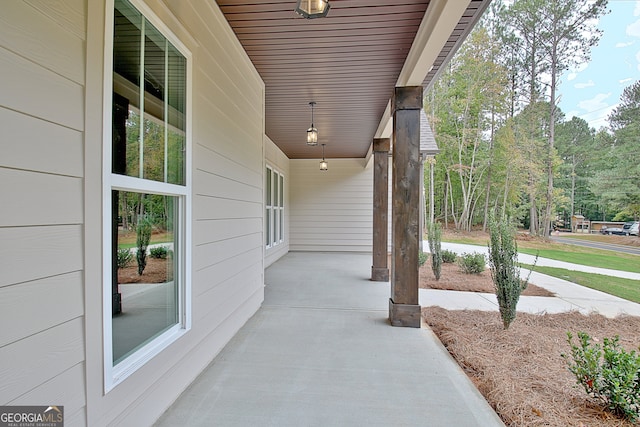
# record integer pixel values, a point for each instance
(321, 352)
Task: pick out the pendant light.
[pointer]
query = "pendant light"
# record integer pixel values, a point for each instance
(312, 132)
(312, 8)
(324, 165)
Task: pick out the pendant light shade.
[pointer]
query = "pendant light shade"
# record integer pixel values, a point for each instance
(312, 8)
(312, 132)
(324, 165)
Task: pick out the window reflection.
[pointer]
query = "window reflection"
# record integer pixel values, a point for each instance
(148, 288)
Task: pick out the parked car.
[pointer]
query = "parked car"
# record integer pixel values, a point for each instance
(630, 228)
(612, 230)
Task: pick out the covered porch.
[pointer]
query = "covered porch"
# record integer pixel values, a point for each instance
(320, 352)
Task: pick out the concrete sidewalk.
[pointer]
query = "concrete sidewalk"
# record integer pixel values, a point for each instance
(321, 352)
(569, 296)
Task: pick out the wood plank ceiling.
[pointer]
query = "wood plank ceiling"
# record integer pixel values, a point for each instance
(347, 62)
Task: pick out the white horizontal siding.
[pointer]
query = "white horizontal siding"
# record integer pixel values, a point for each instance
(211, 207)
(42, 58)
(68, 387)
(35, 306)
(32, 253)
(37, 359)
(33, 198)
(69, 14)
(33, 89)
(59, 149)
(209, 277)
(226, 295)
(331, 210)
(209, 254)
(40, 39)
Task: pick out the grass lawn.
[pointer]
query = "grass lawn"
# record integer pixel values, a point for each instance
(587, 256)
(558, 251)
(623, 288)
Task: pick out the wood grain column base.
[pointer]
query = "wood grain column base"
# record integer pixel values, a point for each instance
(379, 274)
(405, 315)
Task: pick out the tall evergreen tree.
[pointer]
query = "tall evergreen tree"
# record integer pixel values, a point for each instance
(558, 34)
(576, 144)
(619, 180)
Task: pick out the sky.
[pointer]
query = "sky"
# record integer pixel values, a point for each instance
(593, 90)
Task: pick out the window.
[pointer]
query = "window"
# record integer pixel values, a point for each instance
(274, 207)
(148, 186)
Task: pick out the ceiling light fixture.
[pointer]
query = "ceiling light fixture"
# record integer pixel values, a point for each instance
(312, 132)
(312, 8)
(324, 165)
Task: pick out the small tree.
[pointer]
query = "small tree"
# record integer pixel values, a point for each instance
(435, 247)
(505, 272)
(143, 237)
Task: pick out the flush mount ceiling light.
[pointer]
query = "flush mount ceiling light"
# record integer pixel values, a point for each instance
(324, 165)
(312, 132)
(312, 8)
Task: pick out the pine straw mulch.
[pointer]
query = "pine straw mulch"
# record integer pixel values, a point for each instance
(520, 371)
(451, 278)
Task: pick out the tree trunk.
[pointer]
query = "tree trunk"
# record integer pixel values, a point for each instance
(552, 127)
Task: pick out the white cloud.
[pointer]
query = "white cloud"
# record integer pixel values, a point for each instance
(636, 11)
(633, 29)
(638, 59)
(572, 73)
(596, 103)
(623, 82)
(623, 44)
(597, 110)
(590, 83)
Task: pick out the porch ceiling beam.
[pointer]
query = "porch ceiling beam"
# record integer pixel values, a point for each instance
(439, 21)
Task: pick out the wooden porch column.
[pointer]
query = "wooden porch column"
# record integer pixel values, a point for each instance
(380, 267)
(404, 309)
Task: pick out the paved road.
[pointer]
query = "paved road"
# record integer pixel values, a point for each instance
(598, 245)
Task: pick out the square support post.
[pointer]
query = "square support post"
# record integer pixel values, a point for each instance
(380, 267)
(404, 309)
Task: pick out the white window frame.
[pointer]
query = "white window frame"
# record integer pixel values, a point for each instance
(268, 203)
(113, 375)
(280, 207)
(275, 223)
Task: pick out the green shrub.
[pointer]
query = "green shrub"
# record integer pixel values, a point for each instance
(159, 252)
(607, 373)
(422, 258)
(473, 263)
(505, 271)
(143, 236)
(124, 257)
(449, 256)
(435, 247)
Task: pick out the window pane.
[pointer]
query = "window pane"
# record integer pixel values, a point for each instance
(154, 111)
(268, 227)
(268, 188)
(275, 188)
(147, 284)
(281, 191)
(176, 97)
(153, 150)
(276, 215)
(126, 81)
(150, 78)
(281, 224)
